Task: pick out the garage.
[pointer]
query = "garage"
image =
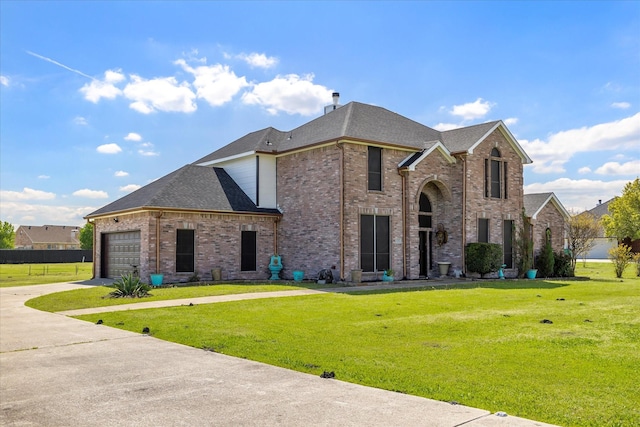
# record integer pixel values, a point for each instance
(120, 254)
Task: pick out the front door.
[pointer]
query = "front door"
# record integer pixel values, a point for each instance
(425, 252)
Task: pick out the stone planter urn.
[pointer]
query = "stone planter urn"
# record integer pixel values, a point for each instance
(216, 274)
(356, 276)
(444, 268)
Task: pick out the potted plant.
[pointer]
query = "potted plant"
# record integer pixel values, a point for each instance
(388, 275)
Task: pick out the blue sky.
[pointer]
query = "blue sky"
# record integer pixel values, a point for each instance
(100, 98)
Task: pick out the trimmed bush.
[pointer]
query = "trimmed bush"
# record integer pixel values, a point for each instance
(545, 261)
(483, 258)
(562, 265)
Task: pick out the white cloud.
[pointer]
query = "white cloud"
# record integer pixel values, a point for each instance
(105, 88)
(109, 148)
(159, 94)
(615, 168)
(259, 60)
(129, 188)
(20, 213)
(132, 136)
(121, 173)
(583, 170)
(91, 194)
(291, 94)
(580, 194)
(446, 126)
(43, 177)
(551, 155)
(148, 153)
(216, 84)
(510, 121)
(26, 194)
(472, 110)
(4, 81)
(621, 105)
(80, 121)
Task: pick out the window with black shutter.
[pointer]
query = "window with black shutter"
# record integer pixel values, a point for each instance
(185, 250)
(248, 251)
(374, 168)
(374, 243)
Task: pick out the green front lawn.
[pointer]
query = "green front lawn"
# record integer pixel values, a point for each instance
(40, 274)
(98, 296)
(484, 347)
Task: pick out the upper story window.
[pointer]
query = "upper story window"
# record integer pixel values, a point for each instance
(495, 176)
(374, 168)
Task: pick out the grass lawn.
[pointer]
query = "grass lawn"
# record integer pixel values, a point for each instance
(484, 347)
(97, 296)
(38, 274)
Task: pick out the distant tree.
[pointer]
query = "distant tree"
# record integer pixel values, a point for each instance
(624, 213)
(582, 231)
(86, 236)
(7, 235)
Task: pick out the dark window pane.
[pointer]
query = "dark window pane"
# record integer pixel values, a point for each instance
(425, 204)
(248, 251)
(504, 178)
(366, 243)
(185, 251)
(382, 243)
(495, 152)
(424, 221)
(483, 230)
(495, 178)
(375, 168)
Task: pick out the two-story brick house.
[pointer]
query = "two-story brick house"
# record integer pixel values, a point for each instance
(360, 187)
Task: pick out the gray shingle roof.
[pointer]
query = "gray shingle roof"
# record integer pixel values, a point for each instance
(190, 187)
(356, 121)
(50, 233)
(601, 209)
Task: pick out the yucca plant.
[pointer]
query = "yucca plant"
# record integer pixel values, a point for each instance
(130, 286)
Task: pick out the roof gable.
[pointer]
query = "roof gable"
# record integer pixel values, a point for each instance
(414, 159)
(188, 188)
(535, 202)
(468, 138)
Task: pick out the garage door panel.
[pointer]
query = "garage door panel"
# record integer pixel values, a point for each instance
(122, 253)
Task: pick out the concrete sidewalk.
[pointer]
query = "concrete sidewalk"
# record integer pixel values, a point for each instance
(59, 371)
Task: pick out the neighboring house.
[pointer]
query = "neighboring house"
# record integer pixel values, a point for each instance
(603, 243)
(47, 237)
(547, 217)
(359, 188)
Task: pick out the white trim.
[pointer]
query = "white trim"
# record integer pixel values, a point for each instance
(226, 159)
(437, 146)
(510, 139)
(552, 197)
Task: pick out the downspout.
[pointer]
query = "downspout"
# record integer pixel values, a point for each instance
(94, 249)
(341, 172)
(403, 173)
(463, 158)
(158, 215)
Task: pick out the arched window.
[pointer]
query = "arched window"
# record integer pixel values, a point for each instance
(547, 236)
(425, 213)
(495, 176)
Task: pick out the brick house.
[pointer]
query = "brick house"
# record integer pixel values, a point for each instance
(47, 237)
(359, 188)
(547, 217)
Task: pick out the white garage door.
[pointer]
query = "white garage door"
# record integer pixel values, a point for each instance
(121, 253)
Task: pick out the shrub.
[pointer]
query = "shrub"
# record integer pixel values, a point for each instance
(483, 258)
(562, 265)
(636, 259)
(130, 286)
(620, 256)
(545, 261)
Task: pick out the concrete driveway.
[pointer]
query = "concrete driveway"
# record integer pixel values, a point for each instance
(59, 371)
